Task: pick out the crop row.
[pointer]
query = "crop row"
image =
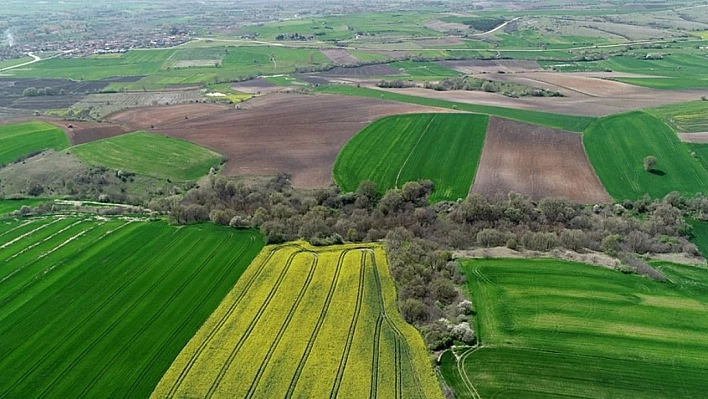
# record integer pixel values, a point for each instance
(304, 322)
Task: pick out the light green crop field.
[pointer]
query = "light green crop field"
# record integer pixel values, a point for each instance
(7, 206)
(573, 123)
(444, 148)
(699, 235)
(151, 155)
(424, 69)
(552, 329)
(617, 145)
(21, 139)
(689, 117)
(680, 70)
(100, 308)
(306, 322)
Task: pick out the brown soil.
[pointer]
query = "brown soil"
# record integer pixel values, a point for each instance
(149, 117)
(694, 137)
(366, 70)
(84, 132)
(538, 162)
(339, 56)
(256, 86)
(293, 133)
(492, 66)
(448, 41)
(614, 98)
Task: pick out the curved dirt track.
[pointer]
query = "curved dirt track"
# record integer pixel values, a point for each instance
(293, 133)
(538, 162)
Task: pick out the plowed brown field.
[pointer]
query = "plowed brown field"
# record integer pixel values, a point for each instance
(339, 56)
(536, 161)
(293, 133)
(150, 117)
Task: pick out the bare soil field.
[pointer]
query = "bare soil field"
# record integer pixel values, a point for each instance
(492, 66)
(84, 132)
(256, 86)
(339, 56)
(293, 133)
(701, 137)
(538, 162)
(363, 71)
(107, 103)
(315, 79)
(442, 26)
(448, 41)
(150, 117)
(583, 95)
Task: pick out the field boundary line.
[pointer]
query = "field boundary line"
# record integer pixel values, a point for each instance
(193, 359)
(239, 257)
(398, 176)
(232, 356)
(318, 326)
(283, 328)
(96, 340)
(157, 314)
(352, 328)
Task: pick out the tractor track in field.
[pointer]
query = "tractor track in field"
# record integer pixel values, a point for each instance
(283, 327)
(118, 320)
(195, 356)
(87, 318)
(232, 356)
(17, 292)
(352, 329)
(463, 373)
(17, 227)
(402, 347)
(239, 257)
(156, 315)
(373, 391)
(403, 166)
(318, 326)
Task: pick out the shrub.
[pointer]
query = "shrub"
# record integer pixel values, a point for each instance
(649, 163)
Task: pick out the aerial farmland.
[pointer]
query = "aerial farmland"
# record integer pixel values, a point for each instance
(349, 200)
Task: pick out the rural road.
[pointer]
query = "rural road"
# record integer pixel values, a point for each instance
(23, 64)
(497, 28)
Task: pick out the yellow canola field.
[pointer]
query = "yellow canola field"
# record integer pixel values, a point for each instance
(306, 322)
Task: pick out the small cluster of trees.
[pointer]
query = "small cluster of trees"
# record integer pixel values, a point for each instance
(490, 86)
(47, 91)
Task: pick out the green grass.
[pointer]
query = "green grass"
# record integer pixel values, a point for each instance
(571, 123)
(104, 315)
(444, 148)
(688, 117)
(617, 145)
(150, 155)
(551, 329)
(22, 139)
(680, 70)
(15, 61)
(7, 206)
(699, 235)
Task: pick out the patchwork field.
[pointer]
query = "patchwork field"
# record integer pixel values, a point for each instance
(617, 145)
(559, 329)
(306, 322)
(690, 117)
(150, 155)
(293, 133)
(444, 148)
(538, 162)
(84, 132)
(22, 139)
(101, 307)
